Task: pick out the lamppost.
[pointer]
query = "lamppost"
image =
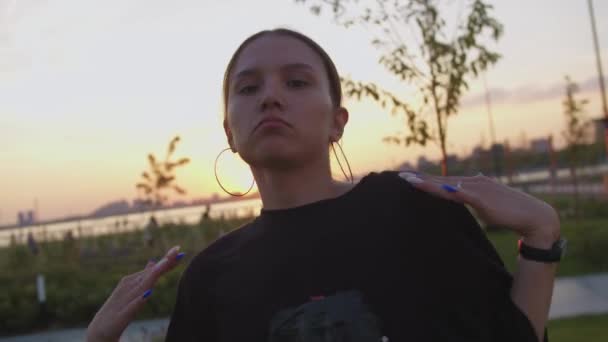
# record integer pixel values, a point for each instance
(599, 68)
(602, 86)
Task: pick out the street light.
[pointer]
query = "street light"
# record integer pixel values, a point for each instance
(599, 71)
(602, 86)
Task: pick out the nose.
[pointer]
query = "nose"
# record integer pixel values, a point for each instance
(271, 96)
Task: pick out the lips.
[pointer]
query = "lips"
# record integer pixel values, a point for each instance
(271, 120)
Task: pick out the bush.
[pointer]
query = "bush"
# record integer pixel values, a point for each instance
(592, 246)
(595, 209)
(589, 207)
(81, 274)
(586, 251)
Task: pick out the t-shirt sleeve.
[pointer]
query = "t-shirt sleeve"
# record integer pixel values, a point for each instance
(478, 282)
(508, 322)
(192, 318)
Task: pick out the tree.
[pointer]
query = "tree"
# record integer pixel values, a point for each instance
(575, 133)
(440, 68)
(161, 177)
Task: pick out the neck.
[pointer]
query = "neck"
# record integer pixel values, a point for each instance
(281, 189)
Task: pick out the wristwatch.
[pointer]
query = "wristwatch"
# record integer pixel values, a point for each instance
(554, 254)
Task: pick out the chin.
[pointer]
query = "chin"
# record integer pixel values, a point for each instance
(276, 155)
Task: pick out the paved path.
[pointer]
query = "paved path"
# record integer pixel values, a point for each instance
(580, 295)
(572, 297)
(139, 331)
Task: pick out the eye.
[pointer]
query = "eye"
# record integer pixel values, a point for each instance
(248, 89)
(295, 83)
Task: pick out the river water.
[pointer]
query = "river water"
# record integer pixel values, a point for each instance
(129, 222)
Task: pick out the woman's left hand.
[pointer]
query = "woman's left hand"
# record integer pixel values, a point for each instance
(496, 204)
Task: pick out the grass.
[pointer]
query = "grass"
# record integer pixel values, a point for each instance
(582, 328)
(585, 254)
(80, 275)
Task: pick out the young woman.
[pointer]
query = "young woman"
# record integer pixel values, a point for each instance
(396, 257)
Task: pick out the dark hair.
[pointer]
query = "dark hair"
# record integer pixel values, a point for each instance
(332, 73)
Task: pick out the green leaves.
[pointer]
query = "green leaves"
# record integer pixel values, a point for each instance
(577, 124)
(161, 176)
(397, 63)
(440, 67)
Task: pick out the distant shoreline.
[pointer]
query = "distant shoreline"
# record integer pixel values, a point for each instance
(134, 211)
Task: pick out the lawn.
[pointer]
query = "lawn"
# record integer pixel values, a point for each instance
(74, 292)
(583, 328)
(81, 274)
(586, 251)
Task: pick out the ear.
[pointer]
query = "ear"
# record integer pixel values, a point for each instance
(229, 136)
(339, 122)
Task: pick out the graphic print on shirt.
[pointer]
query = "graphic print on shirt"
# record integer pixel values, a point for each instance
(342, 317)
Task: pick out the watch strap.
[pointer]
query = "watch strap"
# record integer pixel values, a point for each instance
(554, 254)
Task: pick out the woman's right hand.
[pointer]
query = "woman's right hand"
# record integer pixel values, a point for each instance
(128, 298)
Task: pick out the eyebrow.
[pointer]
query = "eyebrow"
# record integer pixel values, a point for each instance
(290, 66)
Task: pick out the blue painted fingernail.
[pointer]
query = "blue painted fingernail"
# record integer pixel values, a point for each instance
(147, 293)
(449, 188)
(180, 255)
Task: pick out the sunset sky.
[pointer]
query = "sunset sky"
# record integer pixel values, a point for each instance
(88, 88)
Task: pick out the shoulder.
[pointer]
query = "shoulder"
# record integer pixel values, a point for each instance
(391, 181)
(390, 191)
(387, 181)
(450, 218)
(219, 252)
(393, 187)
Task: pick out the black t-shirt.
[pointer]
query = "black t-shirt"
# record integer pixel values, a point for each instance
(416, 266)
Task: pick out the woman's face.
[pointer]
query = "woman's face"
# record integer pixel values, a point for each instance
(279, 112)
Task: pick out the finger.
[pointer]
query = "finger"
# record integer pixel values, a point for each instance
(141, 274)
(129, 281)
(151, 275)
(130, 286)
(134, 306)
(447, 191)
(170, 260)
(454, 181)
(427, 185)
(171, 253)
(135, 277)
(441, 179)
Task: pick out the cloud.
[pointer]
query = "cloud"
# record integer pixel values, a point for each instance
(528, 93)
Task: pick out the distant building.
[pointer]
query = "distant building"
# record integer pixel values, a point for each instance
(26, 218)
(452, 160)
(477, 152)
(599, 130)
(498, 157)
(540, 145)
(406, 166)
(489, 160)
(424, 163)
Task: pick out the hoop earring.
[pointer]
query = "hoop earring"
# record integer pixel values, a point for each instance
(351, 179)
(236, 194)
